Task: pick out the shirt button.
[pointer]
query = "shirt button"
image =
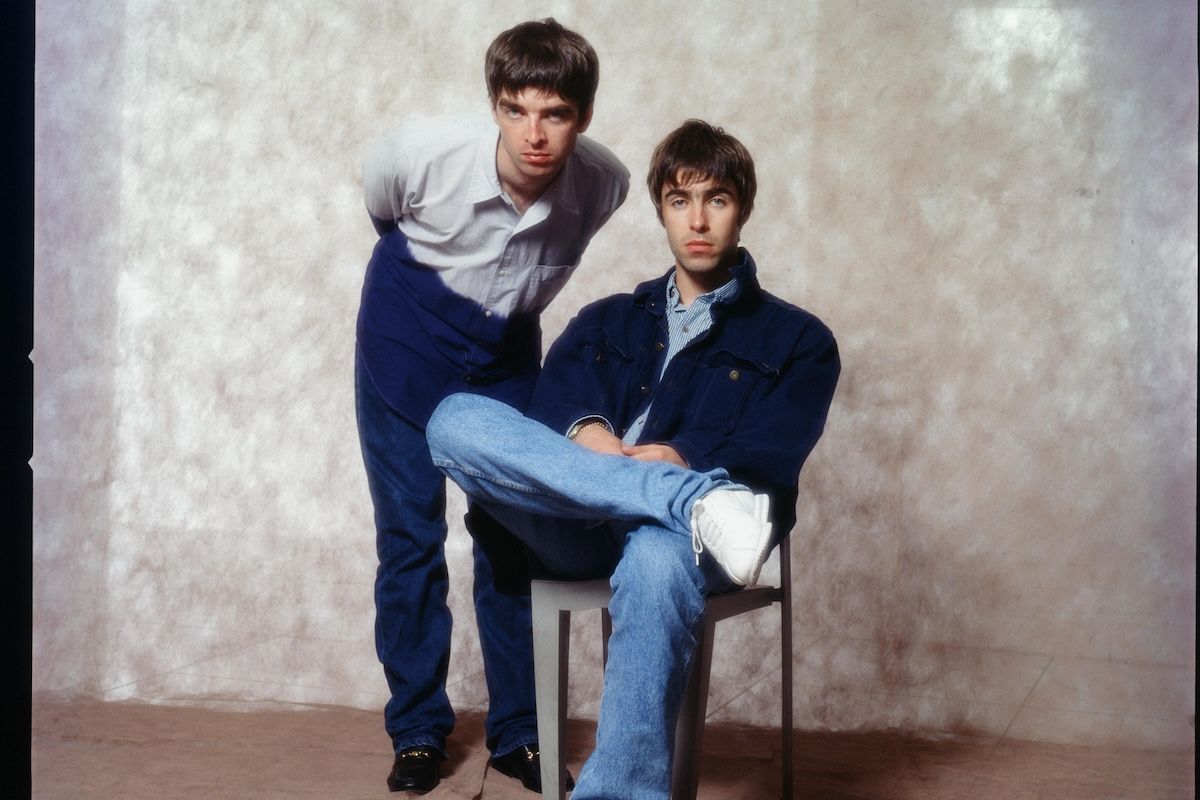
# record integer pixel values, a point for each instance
(734, 374)
(487, 313)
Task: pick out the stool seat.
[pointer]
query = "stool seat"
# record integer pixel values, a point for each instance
(552, 603)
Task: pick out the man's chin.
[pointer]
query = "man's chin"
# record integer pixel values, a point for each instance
(699, 266)
(540, 169)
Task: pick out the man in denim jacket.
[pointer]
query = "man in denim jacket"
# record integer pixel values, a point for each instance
(688, 409)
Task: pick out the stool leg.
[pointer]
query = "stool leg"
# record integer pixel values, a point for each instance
(785, 673)
(786, 680)
(551, 645)
(689, 728)
(605, 631)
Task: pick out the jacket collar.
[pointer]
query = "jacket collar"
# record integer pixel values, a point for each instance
(652, 294)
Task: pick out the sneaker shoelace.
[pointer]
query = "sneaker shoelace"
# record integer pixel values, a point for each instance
(697, 544)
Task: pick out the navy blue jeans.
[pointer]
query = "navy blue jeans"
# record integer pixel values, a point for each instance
(412, 621)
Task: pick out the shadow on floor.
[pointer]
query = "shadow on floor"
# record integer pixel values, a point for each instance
(85, 748)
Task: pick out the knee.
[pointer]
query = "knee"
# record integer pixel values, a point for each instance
(446, 421)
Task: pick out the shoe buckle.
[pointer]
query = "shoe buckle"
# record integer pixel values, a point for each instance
(417, 753)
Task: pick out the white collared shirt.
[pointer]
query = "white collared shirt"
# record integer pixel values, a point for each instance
(436, 178)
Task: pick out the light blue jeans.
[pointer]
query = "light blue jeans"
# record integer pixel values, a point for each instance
(587, 515)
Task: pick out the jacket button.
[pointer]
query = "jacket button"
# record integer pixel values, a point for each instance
(600, 357)
(467, 379)
(734, 374)
(658, 346)
(645, 390)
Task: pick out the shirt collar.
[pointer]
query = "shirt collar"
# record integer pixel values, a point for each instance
(726, 293)
(485, 181)
(563, 188)
(647, 294)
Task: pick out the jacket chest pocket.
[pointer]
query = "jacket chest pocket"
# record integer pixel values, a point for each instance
(604, 359)
(729, 383)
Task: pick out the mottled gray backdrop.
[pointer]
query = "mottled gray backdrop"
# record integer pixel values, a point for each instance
(993, 205)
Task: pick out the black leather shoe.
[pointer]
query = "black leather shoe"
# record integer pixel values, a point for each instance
(525, 764)
(415, 770)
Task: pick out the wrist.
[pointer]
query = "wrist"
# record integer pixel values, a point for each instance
(588, 422)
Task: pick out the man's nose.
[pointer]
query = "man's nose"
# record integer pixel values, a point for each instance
(535, 134)
(698, 220)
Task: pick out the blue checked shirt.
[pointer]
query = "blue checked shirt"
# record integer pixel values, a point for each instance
(684, 324)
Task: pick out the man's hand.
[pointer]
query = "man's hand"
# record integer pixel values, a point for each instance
(599, 439)
(654, 452)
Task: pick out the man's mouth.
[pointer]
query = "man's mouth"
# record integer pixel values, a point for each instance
(536, 158)
(698, 246)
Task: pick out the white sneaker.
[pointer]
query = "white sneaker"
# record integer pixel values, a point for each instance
(735, 525)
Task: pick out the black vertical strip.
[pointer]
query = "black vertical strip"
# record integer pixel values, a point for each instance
(16, 382)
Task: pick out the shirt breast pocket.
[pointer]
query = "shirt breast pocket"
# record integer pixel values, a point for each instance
(542, 284)
(730, 383)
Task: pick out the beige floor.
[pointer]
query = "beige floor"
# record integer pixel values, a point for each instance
(91, 749)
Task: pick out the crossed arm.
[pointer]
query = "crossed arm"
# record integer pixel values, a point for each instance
(601, 440)
(773, 436)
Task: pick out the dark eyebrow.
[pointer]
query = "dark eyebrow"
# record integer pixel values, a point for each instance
(681, 191)
(564, 109)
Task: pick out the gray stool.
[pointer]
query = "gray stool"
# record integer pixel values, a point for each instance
(553, 602)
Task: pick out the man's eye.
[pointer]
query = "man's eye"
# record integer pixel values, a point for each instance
(512, 113)
(719, 202)
(678, 203)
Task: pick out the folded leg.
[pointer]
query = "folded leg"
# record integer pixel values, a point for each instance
(500, 457)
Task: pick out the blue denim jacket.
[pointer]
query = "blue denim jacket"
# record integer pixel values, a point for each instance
(750, 395)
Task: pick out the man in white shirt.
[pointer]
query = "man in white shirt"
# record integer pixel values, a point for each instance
(481, 223)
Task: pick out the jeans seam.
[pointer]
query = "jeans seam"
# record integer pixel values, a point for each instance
(532, 744)
(520, 487)
(694, 630)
